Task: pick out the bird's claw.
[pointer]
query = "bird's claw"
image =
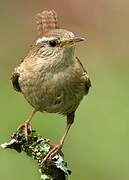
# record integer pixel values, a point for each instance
(55, 149)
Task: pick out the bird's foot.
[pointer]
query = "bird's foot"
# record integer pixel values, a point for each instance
(26, 128)
(54, 149)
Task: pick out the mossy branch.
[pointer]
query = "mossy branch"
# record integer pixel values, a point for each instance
(36, 148)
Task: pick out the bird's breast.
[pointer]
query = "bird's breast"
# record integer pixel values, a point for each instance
(52, 92)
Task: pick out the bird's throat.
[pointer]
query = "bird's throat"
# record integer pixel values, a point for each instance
(68, 55)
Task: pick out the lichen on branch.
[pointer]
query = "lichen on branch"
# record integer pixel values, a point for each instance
(37, 148)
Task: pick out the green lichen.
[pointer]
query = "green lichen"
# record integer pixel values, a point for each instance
(36, 148)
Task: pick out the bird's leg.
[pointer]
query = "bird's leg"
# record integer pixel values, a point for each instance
(27, 124)
(56, 148)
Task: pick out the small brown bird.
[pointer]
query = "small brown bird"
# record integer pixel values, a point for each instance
(50, 77)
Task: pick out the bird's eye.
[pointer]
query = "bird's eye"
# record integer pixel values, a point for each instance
(53, 43)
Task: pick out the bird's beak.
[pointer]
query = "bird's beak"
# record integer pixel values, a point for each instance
(71, 41)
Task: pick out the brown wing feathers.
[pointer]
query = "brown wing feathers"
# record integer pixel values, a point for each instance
(15, 82)
(87, 80)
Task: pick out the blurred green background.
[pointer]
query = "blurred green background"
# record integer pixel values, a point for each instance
(98, 144)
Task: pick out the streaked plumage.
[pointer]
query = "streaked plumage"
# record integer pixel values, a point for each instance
(52, 80)
(50, 77)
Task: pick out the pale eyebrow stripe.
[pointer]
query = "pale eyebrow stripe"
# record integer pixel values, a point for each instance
(43, 39)
(40, 40)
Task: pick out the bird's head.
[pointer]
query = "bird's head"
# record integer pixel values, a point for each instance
(57, 42)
